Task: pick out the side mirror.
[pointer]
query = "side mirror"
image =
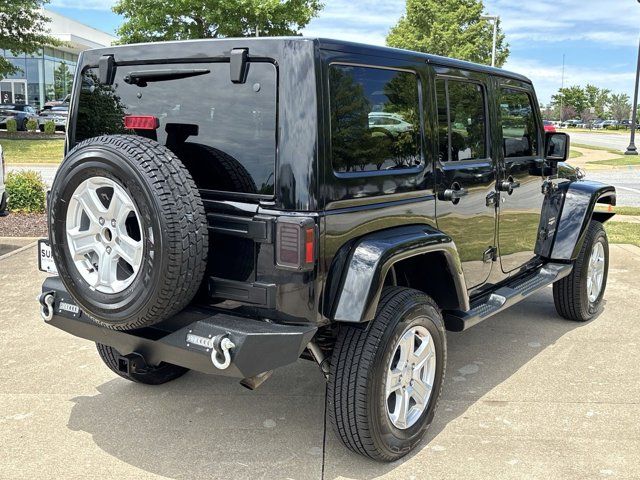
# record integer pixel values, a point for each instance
(556, 146)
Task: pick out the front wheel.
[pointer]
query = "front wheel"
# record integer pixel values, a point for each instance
(386, 377)
(579, 295)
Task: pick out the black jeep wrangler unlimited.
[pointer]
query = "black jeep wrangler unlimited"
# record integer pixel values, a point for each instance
(229, 206)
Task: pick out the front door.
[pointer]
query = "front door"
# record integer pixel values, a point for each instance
(465, 172)
(520, 180)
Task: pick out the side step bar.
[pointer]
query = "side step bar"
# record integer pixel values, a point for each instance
(504, 297)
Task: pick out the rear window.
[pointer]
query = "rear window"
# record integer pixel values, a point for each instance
(201, 117)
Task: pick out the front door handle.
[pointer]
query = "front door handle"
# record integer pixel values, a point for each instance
(508, 185)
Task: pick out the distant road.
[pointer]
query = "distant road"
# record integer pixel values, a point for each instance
(605, 140)
(626, 181)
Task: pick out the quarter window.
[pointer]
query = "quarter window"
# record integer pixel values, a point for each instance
(375, 119)
(519, 125)
(461, 120)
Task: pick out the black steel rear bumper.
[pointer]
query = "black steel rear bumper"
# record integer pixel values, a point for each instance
(188, 338)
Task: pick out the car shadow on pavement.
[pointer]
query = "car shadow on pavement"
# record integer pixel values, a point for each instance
(203, 426)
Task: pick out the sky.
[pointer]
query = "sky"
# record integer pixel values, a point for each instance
(598, 38)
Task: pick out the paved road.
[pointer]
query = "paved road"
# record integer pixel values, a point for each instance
(626, 181)
(606, 140)
(527, 395)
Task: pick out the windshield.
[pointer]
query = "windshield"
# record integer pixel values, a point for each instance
(235, 121)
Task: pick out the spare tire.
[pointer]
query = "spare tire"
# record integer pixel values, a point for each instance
(128, 231)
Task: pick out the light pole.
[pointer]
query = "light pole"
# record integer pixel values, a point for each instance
(495, 19)
(631, 149)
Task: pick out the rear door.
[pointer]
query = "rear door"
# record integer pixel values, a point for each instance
(465, 171)
(520, 180)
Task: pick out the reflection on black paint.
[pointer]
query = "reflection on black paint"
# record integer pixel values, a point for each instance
(374, 119)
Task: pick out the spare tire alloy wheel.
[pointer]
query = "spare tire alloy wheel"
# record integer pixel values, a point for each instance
(104, 234)
(128, 231)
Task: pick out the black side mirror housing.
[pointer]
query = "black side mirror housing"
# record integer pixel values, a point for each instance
(556, 147)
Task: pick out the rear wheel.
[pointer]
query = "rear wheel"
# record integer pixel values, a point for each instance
(386, 378)
(579, 295)
(163, 373)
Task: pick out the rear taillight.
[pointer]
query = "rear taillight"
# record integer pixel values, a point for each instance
(295, 243)
(141, 122)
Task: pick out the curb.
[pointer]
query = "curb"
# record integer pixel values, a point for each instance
(18, 250)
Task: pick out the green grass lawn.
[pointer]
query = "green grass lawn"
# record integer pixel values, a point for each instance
(623, 161)
(620, 161)
(620, 232)
(627, 210)
(32, 151)
(574, 154)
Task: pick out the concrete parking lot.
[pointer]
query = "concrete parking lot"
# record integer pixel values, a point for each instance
(527, 395)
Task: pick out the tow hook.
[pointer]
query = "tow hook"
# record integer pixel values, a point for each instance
(46, 305)
(220, 353)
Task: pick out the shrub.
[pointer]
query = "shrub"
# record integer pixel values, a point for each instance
(12, 125)
(32, 125)
(26, 192)
(49, 127)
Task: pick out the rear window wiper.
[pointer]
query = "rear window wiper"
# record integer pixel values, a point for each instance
(141, 78)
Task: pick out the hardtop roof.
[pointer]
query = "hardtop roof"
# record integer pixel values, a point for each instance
(337, 45)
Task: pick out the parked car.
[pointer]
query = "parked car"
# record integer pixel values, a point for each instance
(549, 126)
(56, 103)
(627, 124)
(230, 217)
(3, 191)
(606, 123)
(20, 113)
(392, 123)
(58, 115)
(571, 123)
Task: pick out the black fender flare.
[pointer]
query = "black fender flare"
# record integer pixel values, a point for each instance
(371, 257)
(579, 201)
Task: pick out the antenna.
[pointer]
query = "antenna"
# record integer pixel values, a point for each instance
(561, 92)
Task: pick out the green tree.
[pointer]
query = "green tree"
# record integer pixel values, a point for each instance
(598, 98)
(23, 29)
(620, 107)
(158, 20)
(452, 28)
(573, 98)
(62, 81)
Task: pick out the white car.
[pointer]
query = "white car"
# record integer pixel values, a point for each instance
(3, 192)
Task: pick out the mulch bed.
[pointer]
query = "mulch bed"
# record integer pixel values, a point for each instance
(24, 225)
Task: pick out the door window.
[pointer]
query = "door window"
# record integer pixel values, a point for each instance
(462, 122)
(519, 124)
(375, 119)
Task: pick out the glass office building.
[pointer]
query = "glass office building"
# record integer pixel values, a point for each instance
(48, 75)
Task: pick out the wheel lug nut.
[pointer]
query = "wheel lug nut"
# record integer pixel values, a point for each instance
(113, 223)
(101, 221)
(108, 249)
